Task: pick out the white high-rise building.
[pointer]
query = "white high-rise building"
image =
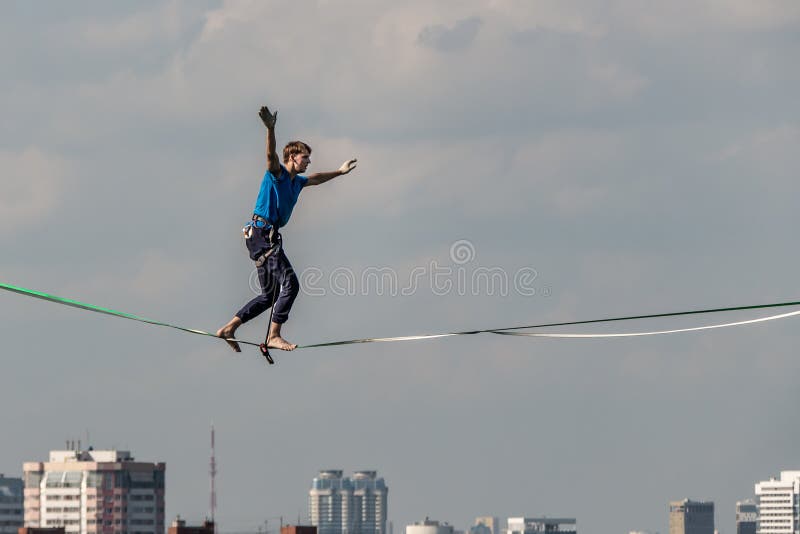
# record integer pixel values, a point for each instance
(429, 526)
(348, 505)
(95, 492)
(11, 507)
(779, 504)
(330, 502)
(370, 503)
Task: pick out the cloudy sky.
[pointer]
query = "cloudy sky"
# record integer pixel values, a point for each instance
(625, 157)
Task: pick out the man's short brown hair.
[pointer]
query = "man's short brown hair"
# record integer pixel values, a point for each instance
(295, 147)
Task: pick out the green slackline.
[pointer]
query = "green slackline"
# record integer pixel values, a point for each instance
(503, 330)
(98, 309)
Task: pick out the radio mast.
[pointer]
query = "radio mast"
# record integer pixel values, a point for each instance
(213, 472)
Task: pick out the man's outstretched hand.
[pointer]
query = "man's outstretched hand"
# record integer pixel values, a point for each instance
(268, 118)
(348, 166)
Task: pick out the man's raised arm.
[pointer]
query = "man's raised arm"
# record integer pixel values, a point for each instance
(269, 119)
(322, 177)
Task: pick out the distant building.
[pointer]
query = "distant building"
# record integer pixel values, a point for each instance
(348, 505)
(691, 517)
(95, 492)
(330, 502)
(429, 526)
(489, 524)
(746, 517)
(536, 525)
(370, 503)
(12, 506)
(779, 504)
(298, 529)
(179, 526)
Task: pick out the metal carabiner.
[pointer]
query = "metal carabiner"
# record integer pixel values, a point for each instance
(247, 230)
(265, 352)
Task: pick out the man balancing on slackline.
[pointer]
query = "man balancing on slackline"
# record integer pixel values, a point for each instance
(280, 189)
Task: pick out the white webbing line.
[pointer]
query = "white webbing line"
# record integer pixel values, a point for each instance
(654, 333)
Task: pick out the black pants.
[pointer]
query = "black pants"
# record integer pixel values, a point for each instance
(275, 276)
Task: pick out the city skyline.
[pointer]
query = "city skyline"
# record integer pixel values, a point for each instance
(358, 504)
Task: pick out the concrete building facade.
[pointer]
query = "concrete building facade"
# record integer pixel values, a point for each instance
(691, 517)
(95, 492)
(746, 517)
(779, 504)
(12, 497)
(428, 526)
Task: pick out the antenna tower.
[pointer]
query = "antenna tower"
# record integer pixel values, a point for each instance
(213, 472)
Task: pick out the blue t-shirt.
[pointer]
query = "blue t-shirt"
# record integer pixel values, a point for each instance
(278, 196)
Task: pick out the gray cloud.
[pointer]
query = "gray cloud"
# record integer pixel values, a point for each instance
(449, 39)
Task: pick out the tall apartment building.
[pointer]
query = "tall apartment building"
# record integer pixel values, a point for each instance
(746, 517)
(691, 517)
(370, 503)
(11, 504)
(348, 505)
(536, 525)
(330, 503)
(779, 504)
(95, 492)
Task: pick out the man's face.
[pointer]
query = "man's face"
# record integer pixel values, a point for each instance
(301, 162)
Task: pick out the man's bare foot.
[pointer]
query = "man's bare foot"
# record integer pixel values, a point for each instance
(280, 343)
(229, 331)
(275, 341)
